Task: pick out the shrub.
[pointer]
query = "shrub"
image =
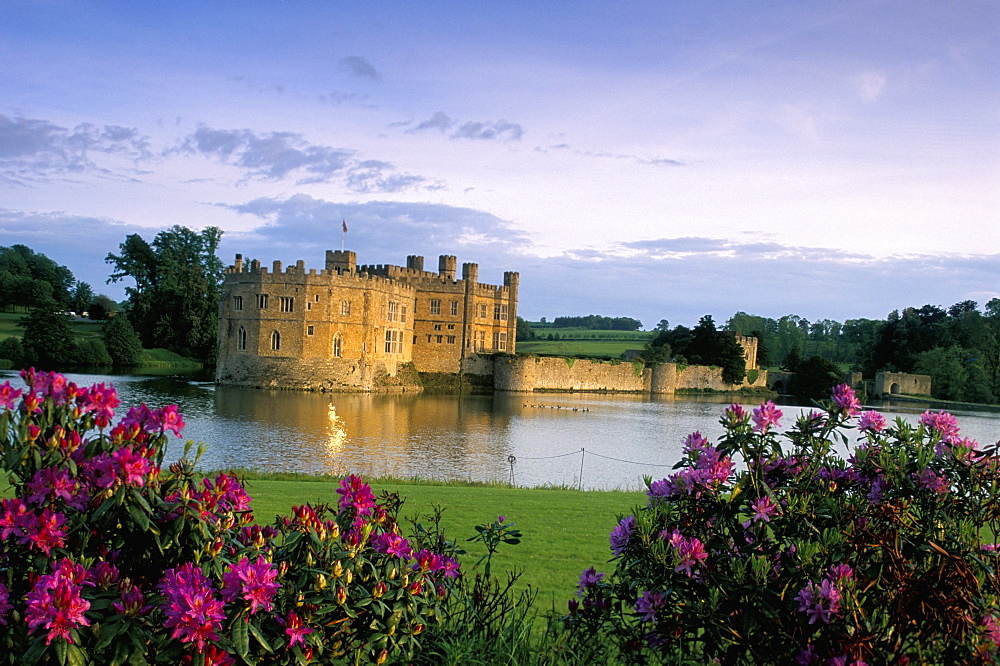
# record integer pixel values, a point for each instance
(110, 558)
(803, 556)
(122, 342)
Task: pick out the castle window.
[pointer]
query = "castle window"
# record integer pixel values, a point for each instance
(316, 298)
(275, 340)
(286, 303)
(393, 342)
(261, 301)
(309, 330)
(392, 314)
(451, 339)
(309, 306)
(437, 327)
(345, 308)
(451, 327)
(435, 306)
(454, 308)
(482, 339)
(482, 310)
(439, 339)
(241, 339)
(500, 341)
(500, 312)
(338, 343)
(237, 303)
(402, 314)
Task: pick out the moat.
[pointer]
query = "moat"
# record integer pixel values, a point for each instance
(449, 436)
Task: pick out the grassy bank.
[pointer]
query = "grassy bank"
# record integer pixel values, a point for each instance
(565, 531)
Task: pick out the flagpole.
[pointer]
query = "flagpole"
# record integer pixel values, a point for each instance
(343, 235)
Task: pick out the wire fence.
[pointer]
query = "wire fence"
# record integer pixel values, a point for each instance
(512, 460)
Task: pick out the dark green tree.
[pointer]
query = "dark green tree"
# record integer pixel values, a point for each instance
(101, 308)
(12, 350)
(174, 303)
(82, 297)
(31, 269)
(793, 359)
(48, 343)
(122, 342)
(814, 378)
(524, 330)
(91, 353)
(763, 352)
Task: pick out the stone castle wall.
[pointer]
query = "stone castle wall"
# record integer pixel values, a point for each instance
(898, 382)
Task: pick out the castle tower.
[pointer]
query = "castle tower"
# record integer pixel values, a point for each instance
(340, 261)
(446, 266)
(415, 262)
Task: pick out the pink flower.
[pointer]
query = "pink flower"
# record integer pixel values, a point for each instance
(295, 630)
(943, 423)
(765, 416)
(5, 605)
(46, 532)
(133, 602)
(690, 551)
(734, 415)
(132, 466)
(253, 582)
(56, 602)
(871, 421)
(102, 400)
(191, 608)
(8, 394)
(820, 602)
(846, 400)
(170, 419)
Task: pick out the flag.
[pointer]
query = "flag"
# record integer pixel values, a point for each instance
(344, 224)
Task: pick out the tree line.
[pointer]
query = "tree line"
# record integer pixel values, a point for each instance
(598, 323)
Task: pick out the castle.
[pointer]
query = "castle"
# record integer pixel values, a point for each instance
(350, 327)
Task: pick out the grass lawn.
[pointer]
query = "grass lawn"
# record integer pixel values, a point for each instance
(564, 531)
(579, 348)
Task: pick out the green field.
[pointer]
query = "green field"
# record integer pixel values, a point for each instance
(565, 531)
(583, 343)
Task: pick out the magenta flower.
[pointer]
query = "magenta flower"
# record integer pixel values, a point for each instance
(392, 544)
(650, 602)
(132, 466)
(734, 415)
(51, 484)
(991, 627)
(839, 572)
(295, 630)
(621, 534)
(846, 400)
(8, 394)
(355, 493)
(763, 509)
(56, 602)
(765, 416)
(427, 561)
(45, 532)
(102, 400)
(133, 602)
(190, 605)
(5, 606)
(943, 423)
(253, 582)
(871, 421)
(690, 551)
(170, 419)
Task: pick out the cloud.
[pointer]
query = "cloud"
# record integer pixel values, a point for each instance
(651, 161)
(498, 130)
(359, 67)
(281, 155)
(871, 85)
(32, 148)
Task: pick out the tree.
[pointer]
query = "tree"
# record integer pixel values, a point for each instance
(174, 303)
(763, 353)
(12, 350)
(664, 325)
(24, 274)
(122, 342)
(101, 308)
(524, 330)
(793, 359)
(48, 343)
(82, 297)
(814, 377)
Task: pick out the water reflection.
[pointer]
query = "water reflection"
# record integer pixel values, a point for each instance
(608, 441)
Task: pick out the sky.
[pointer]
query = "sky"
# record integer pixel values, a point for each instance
(655, 160)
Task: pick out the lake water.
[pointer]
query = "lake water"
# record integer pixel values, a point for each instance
(610, 441)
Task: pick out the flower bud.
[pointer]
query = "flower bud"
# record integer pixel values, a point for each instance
(379, 590)
(338, 569)
(320, 582)
(341, 596)
(348, 576)
(382, 656)
(418, 629)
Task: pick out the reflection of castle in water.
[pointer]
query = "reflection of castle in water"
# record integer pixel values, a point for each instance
(370, 433)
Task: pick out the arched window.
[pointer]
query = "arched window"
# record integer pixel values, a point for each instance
(275, 340)
(241, 339)
(338, 343)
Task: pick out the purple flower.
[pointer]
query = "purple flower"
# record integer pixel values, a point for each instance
(846, 400)
(650, 602)
(931, 480)
(871, 421)
(839, 572)
(765, 416)
(588, 579)
(763, 509)
(5, 605)
(734, 415)
(820, 602)
(621, 534)
(690, 551)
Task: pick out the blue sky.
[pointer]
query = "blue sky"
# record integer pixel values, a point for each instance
(645, 159)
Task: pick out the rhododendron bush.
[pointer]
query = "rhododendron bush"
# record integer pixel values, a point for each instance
(107, 557)
(769, 547)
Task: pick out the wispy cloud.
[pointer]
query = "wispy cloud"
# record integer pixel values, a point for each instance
(871, 85)
(638, 159)
(359, 67)
(33, 148)
(280, 155)
(488, 130)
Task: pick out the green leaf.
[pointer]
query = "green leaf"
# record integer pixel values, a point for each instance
(260, 637)
(240, 637)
